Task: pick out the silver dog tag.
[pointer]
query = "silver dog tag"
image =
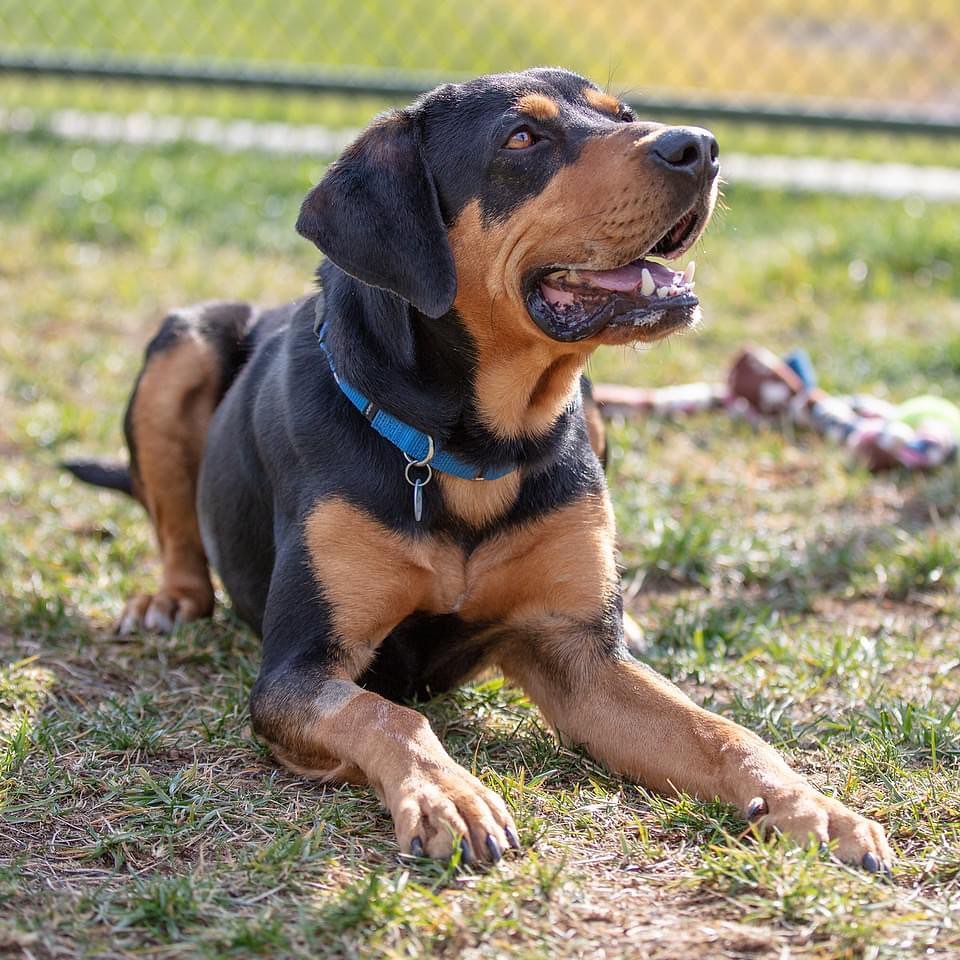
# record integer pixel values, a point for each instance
(418, 500)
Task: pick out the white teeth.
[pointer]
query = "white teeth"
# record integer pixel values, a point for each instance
(646, 282)
(662, 292)
(573, 276)
(690, 271)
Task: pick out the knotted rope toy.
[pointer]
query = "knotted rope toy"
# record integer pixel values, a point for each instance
(920, 434)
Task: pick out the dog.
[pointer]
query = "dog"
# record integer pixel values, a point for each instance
(394, 477)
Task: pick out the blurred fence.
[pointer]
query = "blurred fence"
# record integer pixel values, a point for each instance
(891, 64)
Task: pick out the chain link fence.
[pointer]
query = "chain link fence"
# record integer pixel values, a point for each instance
(891, 64)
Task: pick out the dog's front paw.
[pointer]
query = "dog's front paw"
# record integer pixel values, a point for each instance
(435, 807)
(160, 612)
(802, 812)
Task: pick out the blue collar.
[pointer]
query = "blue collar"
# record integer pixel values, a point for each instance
(418, 447)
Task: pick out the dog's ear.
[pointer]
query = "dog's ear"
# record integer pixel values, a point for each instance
(376, 215)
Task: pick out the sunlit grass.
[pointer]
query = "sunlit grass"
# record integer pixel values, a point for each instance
(772, 579)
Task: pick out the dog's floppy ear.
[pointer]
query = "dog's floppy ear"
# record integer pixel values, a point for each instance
(376, 215)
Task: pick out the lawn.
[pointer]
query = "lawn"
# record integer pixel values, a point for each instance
(772, 580)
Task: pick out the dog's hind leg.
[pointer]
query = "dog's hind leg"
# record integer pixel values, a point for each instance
(188, 366)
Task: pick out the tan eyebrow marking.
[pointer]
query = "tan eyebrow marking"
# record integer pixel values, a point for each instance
(539, 106)
(601, 101)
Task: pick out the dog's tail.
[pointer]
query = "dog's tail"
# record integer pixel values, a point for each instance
(102, 473)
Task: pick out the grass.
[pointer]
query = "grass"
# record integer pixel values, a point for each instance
(772, 579)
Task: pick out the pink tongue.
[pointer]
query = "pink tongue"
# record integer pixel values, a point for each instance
(629, 277)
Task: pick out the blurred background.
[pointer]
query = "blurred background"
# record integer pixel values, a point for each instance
(892, 61)
(165, 137)
(182, 133)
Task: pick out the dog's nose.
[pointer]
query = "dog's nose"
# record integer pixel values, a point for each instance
(690, 150)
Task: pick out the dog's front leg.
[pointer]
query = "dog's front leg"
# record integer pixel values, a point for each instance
(640, 725)
(334, 595)
(331, 729)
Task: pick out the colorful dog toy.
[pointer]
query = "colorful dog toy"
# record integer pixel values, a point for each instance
(919, 434)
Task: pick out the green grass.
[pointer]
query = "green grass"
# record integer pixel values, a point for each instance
(772, 579)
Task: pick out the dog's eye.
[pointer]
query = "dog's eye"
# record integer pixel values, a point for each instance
(626, 115)
(521, 139)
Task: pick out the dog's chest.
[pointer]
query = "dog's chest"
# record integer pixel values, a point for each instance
(374, 577)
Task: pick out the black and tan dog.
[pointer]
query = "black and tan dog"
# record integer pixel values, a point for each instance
(324, 458)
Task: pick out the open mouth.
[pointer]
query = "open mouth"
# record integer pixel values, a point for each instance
(645, 298)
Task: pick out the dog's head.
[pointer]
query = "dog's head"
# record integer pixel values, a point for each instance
(529, 198)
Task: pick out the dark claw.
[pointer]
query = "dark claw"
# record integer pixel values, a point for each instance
(466, 856)
(757, 807)
(870, 863)
(416, 847)
(887, 869)
(512, 838)
(495, 852)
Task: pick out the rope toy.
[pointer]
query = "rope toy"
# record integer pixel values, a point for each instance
(920, 434)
